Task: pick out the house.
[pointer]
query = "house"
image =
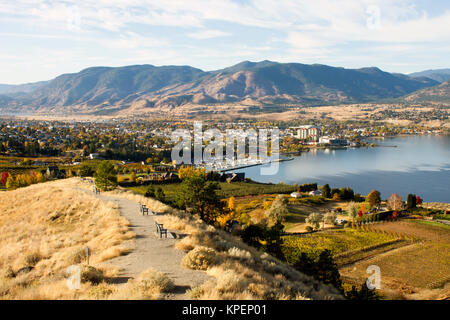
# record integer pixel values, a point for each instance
(94, 156)
(233, 177)
(315, 193)
(296, 195)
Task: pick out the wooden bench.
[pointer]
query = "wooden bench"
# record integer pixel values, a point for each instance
(160, 229)
(143, 209)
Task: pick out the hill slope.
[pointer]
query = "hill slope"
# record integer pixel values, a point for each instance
(440, 75)
(108, 90)
(436, 94)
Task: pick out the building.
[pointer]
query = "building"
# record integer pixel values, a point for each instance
(308, 132)
(296, 195)
(333, 141)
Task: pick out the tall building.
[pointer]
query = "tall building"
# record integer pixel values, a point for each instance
(308, 132)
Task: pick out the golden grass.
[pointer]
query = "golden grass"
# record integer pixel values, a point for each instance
(238, 270)
(150, 284)
(48, 226)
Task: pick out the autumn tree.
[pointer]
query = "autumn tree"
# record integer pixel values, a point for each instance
(4, 177)
(374, 198)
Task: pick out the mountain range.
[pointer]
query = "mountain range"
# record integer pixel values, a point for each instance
(440, 75)
(112, 89)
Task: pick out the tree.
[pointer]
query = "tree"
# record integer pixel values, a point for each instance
(160, 195)
(352, 210)
(231, 203)
(10, 183)
(200, 197)
(326, 191)
(150, 192)
(411, 201)
(105, 176)
(314, 220)
(4, 177)
(188, 171)
(363, 294)
(278, 210)
(395, 202)
(330, 217)
(86, 170)
(374, 198)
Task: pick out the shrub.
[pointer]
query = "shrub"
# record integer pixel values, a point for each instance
(8, 273)
(91, 274)
(33, 258)
(101, 291)
(152, 282)
(200, 258)
(76, 256)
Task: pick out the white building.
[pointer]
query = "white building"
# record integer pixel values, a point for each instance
(308, 132)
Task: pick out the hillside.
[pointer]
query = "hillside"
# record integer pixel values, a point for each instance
(440, 75)
(106, 90)
(40, 241)
(436, 94)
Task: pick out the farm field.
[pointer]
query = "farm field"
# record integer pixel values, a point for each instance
(337, 241)
(418, 270)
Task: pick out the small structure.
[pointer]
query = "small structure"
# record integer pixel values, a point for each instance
(315, 193)
(94, 156)
(233, 177)
(296, 195)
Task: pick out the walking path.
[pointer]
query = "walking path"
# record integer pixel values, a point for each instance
(152, 252)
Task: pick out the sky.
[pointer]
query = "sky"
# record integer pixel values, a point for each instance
(43, 39)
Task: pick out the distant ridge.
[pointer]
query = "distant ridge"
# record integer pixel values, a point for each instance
(111, 89)
(440, 75)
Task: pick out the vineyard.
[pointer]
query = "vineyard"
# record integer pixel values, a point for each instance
(337, 241)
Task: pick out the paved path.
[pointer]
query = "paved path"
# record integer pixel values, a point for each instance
(152, 252)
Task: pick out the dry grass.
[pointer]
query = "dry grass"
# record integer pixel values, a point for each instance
(149, 285)
(48, 226)
(240, 271)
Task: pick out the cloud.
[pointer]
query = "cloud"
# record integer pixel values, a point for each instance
(208, 34)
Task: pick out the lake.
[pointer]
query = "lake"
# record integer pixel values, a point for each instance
(417, 164)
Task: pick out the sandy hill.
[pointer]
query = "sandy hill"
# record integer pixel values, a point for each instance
(45, 229)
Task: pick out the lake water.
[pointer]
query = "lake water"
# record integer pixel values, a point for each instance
(418, 164)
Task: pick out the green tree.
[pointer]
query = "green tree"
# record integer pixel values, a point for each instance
(200, 197)
(150, 192)
(160, 195)
(86, 170)
(411, 201)
(373, 198)
(326, 191)
(105, 176)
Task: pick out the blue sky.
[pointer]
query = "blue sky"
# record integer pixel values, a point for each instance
(43, 39)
